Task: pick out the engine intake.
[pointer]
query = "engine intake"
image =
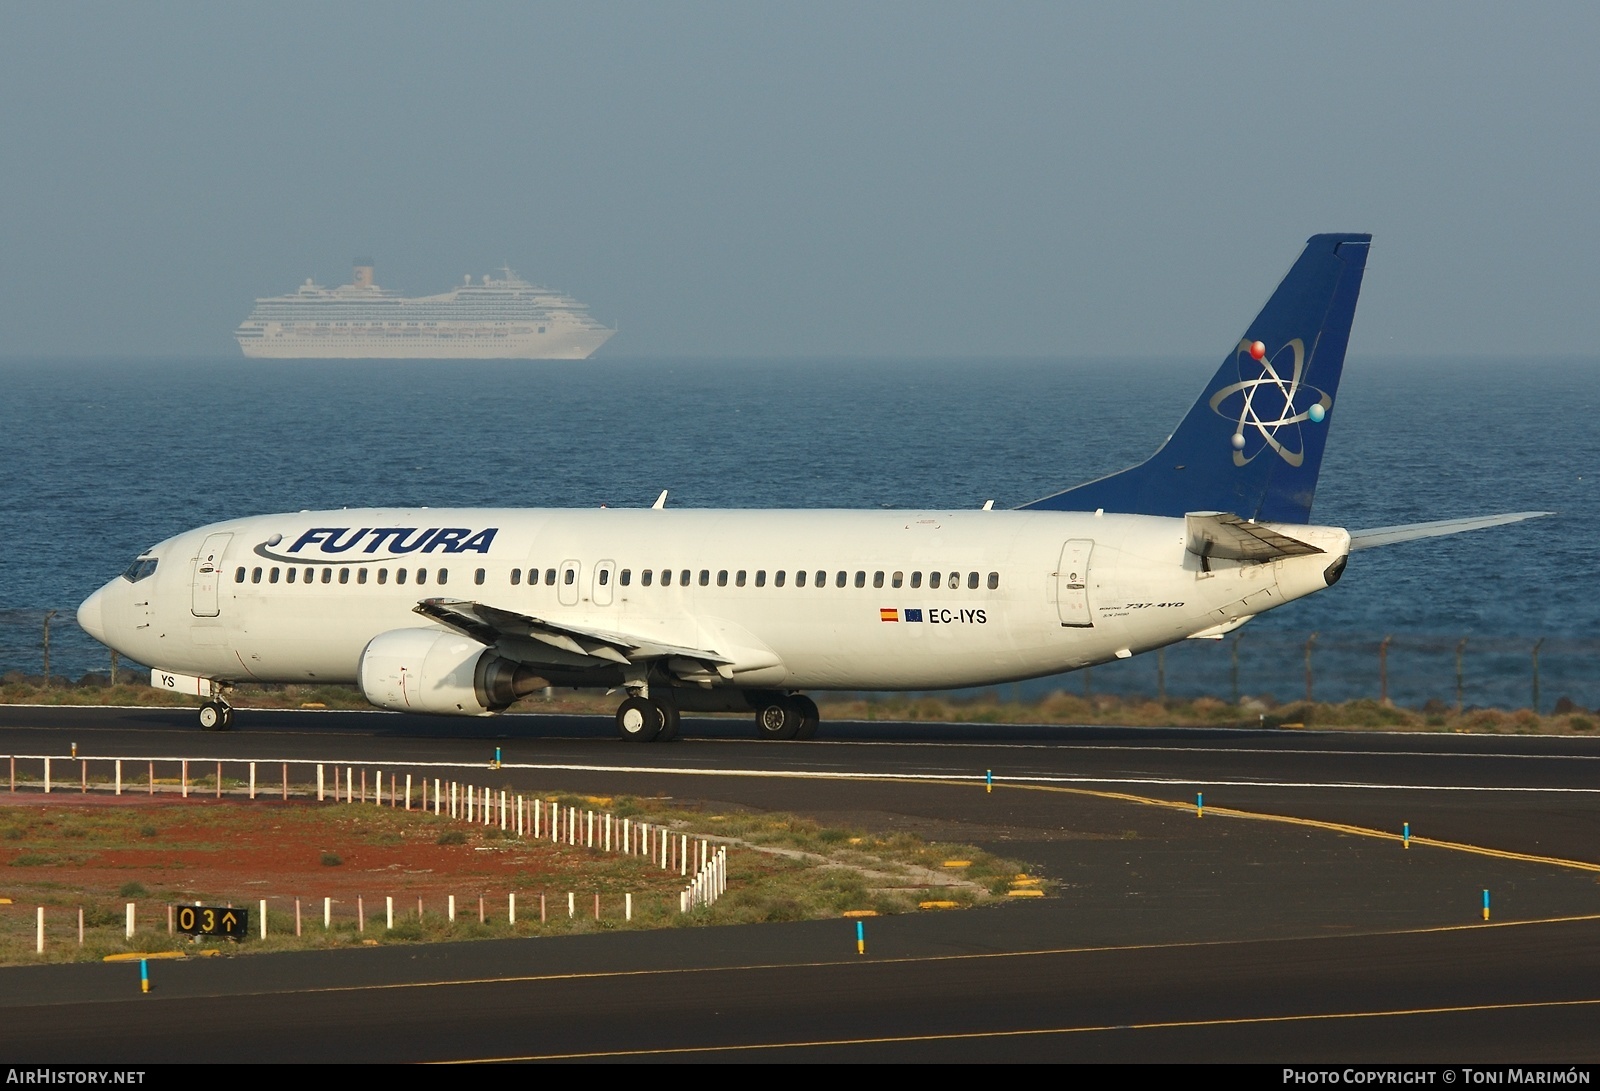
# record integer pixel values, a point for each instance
(444, 673)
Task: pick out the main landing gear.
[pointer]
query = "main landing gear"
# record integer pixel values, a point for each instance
(640, 719)
(791, 717)
(216, 716)
(778, 715)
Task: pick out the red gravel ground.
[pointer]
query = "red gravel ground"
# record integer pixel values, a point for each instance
(242, 851)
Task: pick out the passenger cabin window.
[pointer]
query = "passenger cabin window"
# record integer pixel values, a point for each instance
(443, 576)
(422, 575)
(705, 577)
(822, 578)
(516, 576)
(897, 579)
(722, 578)
(605, 577)
(839, 580)
(399, 575)
(291, 575)
(255, 575)
(274, 577)
(799, 579)
(933, 581)
(327, 575)
(955, 580)
(569, 576)
(877, 579)
(383, 575)
(549, 577)
(344, 575)
(738, 581)
(310, 574)
(666, 577)
(683, 578)
(238, 576)
(994, 580)
(916, 579)
(761, 577)
(777, 578)
(361, 575)
(644, 577)
(861, 579)
(477, 577)
(972, 581)
(626, 577)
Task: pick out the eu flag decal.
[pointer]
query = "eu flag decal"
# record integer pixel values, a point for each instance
(913, 615)
(888, 613)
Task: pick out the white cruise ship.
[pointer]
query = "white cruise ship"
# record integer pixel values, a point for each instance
(496, 318)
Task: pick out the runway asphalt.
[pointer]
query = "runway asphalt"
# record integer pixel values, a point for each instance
(1288, 924)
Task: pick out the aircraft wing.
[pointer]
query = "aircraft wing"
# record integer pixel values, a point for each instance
(1220, 534)
(1382, 536)
(491, 625)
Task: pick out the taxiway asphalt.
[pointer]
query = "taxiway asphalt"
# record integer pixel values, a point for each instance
(1287, 924)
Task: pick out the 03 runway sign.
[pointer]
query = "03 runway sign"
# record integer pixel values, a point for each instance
(213, 920)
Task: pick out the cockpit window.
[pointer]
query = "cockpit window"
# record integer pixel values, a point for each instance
(140, 569)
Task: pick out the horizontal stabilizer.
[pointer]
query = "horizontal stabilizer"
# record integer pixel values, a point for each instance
(1382, 536)
(1228, 537)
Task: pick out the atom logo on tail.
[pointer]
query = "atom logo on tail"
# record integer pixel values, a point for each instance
(1272, 401)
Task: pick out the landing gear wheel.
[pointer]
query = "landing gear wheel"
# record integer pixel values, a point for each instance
(806, 709)
(778, 720)
(640, 719)
(215, 716)
(669, 723)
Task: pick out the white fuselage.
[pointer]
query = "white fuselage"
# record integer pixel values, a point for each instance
(222, 604)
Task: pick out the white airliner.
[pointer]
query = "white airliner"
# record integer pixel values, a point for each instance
(462, 611)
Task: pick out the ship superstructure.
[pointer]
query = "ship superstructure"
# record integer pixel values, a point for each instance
(502, 317)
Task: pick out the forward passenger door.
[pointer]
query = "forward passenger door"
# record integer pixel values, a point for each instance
(207, 575)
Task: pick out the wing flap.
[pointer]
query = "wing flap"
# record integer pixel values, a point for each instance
(1410, 532)
(1226, 536)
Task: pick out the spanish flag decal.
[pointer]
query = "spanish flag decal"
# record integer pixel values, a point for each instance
(888, 614)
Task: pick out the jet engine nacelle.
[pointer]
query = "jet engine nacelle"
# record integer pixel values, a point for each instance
(426, 670)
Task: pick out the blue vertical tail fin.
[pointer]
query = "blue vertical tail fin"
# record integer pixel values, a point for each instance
(1252, 444)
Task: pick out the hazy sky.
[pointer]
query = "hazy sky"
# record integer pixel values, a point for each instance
(771, 179)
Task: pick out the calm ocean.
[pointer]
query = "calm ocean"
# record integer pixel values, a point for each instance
(104, 458)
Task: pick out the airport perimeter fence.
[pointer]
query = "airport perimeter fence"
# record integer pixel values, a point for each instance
(1411, 670)
(1274, 666)
(701, 861)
